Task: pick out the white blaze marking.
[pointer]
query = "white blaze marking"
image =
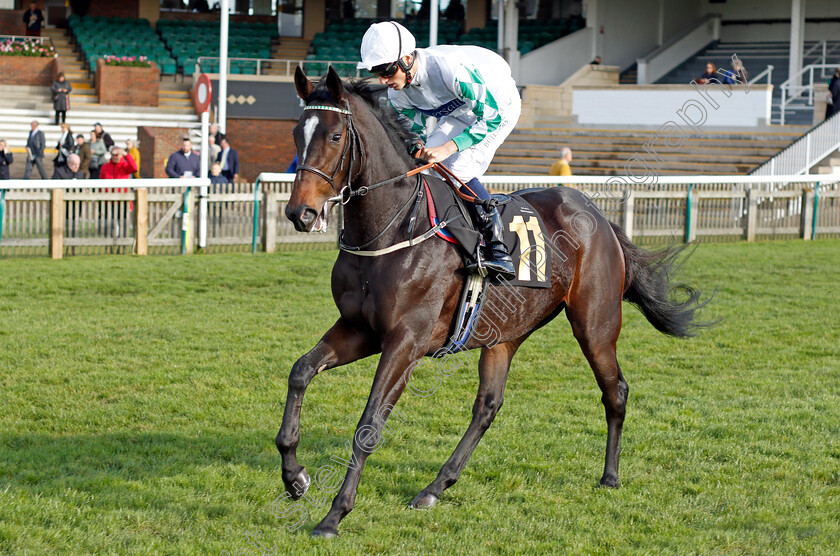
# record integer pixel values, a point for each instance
(308, 130)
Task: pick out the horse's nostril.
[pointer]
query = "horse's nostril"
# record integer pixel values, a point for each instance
(308, 216)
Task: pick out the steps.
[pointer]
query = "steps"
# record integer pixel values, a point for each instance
(27, 103)
(286, 48)
(83, 92)
(606, 151)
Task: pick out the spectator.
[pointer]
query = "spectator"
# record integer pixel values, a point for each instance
(120, 167)
(214, 151)
(348, 10)
(6, 159)
(33, 17)
(35, 152)
(65, 146)
(183, 163)
(833, 103)
(100, 134)
(98, 152)
(61, 97)
(216, 178)
(596, 61)
(741, 75)
(561, 167)
(69, 171)
(135, 154)
(83, 150)
(454, 11)
(214, 130)
(229, 159)
(712, 74)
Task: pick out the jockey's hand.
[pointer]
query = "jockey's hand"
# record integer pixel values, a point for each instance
(438, 154)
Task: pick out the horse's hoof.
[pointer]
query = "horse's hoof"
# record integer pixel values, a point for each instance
(424, 501)
(609, 481)
(324, 534)
(298, 487)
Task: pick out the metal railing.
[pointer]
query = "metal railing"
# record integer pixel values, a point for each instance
(768, 71)
(801, 155)
(278, 66)
(792, 90)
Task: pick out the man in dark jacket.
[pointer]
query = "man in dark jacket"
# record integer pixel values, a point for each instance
(83, 150)
(33, 18)
(229, 159)
(35, 152)
(6, 158)
(69, 171)
(833, 106)
(184, 163)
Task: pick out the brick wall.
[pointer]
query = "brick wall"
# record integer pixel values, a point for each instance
(126, 85)
(27, 70)
(156, 145)
(263, 145)
(11, 22)
(110, 8)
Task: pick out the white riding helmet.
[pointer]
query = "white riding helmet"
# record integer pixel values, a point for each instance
(385, 43)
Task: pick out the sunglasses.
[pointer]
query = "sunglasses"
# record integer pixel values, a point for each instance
(385, 70)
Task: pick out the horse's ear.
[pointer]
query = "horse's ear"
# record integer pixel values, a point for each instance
(334, 85)
(302, 84)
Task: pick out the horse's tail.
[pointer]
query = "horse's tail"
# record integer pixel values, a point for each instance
(648, 285)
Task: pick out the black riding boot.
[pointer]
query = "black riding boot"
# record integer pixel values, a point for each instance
(494, 258)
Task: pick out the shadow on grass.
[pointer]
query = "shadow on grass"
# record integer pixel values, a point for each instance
(80, 461)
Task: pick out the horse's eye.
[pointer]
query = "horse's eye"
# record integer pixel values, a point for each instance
(336, 138)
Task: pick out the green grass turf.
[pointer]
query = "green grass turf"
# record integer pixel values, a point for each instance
(141, 397)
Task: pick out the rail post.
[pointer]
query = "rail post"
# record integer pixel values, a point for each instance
(186, 244)
(690, 215)
(57, 223)
(255, 232)
(141, 226)
(629, 209)
(752, 214)
(270, 223)
(2, 211)
(816, 206)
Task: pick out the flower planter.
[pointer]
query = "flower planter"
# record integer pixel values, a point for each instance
(127, 86)
(26, 70)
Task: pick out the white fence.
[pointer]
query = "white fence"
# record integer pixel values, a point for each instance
(801, 155)
(59, 218)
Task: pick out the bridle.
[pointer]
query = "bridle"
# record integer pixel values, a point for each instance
(352, 145)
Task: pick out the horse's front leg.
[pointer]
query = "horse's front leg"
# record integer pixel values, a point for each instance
(398, 358)
(341, 345)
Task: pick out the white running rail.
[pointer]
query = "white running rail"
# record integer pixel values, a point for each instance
(800, 156)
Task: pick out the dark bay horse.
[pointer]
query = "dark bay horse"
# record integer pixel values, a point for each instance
(402, 304)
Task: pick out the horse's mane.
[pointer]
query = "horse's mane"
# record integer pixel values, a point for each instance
(376, 98)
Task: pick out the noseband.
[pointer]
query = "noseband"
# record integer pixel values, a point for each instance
(351, 146)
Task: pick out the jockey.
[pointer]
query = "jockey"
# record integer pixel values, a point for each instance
(462, 102)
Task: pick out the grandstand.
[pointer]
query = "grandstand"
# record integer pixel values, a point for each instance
(757, 55)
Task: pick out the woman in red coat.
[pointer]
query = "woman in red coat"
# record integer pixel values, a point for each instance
(120, 167)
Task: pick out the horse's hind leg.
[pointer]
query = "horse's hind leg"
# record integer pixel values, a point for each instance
(596, 323)
(492, 371)
(342, 344)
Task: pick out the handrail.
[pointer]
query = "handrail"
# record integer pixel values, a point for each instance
(273, 62)
(768, 71)
(795, 91)
(801, 155)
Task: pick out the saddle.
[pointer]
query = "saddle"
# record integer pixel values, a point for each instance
(524, 236)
